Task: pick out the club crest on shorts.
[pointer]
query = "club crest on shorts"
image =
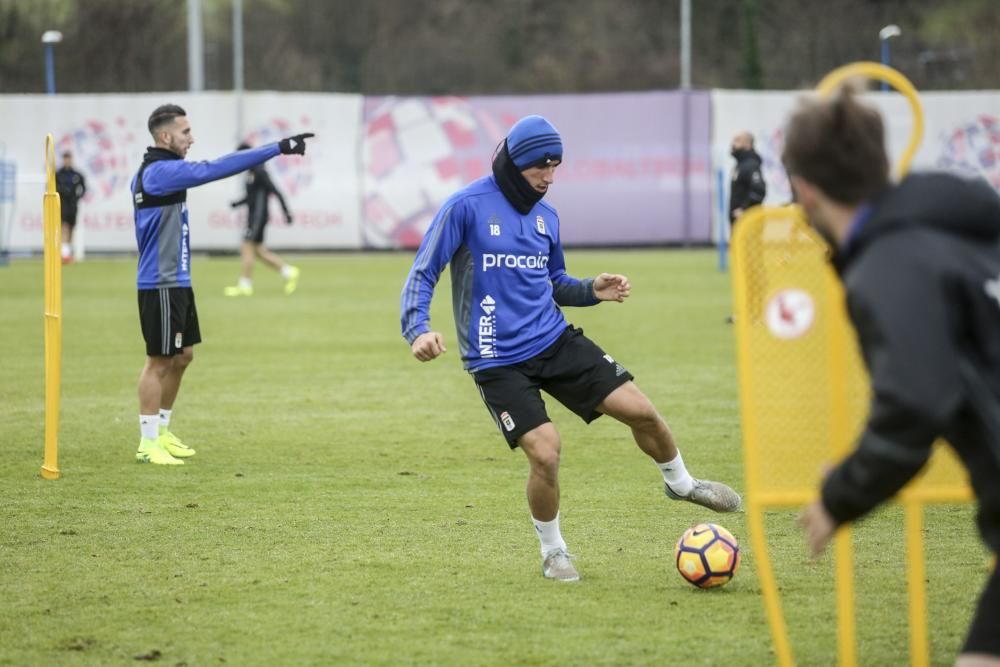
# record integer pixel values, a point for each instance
(507, 420)
(179, 340)
(540, 224)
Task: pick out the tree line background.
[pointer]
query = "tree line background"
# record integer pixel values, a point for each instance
(493, 46)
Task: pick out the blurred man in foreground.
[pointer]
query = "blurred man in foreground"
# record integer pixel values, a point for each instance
(920, 262)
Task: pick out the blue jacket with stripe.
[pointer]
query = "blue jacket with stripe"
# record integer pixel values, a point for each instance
(508, 277)
(159, 194)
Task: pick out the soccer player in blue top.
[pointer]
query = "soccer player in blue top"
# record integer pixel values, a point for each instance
(508, 281)
(167, 312)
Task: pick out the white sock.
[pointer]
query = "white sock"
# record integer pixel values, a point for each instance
(66, 250)
(149, 426)
(245, 282)
(286, 271)
(165, 419)
(549, 535)
(675, 474)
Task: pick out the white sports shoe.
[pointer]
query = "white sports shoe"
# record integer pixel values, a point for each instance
(558, 566)
(715, 496)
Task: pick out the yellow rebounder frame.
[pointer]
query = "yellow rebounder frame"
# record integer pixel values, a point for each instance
(52, 220)
(804, 392)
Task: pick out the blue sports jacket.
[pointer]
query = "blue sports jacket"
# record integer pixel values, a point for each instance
(508, 277)
(159, 195)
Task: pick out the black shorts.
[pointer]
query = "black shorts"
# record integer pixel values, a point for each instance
(68, 215)
(169, 320)
(984, 634)
(255, 227)
(573, 370)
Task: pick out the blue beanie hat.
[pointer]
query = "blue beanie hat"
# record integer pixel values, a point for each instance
(533, 142)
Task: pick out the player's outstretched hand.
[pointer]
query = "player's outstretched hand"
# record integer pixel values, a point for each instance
(428, 346)
(611, 287)
(296, 144)
(819, 527)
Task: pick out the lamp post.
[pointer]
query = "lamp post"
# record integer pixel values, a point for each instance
(50, 38)
(884, 35)
(238, 65)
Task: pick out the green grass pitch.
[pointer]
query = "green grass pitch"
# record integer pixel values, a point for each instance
(349, 505)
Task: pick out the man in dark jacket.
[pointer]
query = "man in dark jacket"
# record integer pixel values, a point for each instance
(71, 187)
(260, 187)
(746, 187)
(920, 262)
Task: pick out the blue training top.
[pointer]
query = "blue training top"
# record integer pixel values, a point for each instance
(507, 277)
(161, 214)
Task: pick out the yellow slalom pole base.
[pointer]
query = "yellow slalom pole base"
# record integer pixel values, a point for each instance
(769, 586)
(50, 473)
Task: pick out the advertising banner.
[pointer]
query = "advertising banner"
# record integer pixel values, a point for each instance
(107, 136)
(635, 167)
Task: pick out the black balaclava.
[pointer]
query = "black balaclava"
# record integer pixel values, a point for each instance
(518, 192)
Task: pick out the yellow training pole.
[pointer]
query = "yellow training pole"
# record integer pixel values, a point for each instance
(915, 577)
(881, 72)
(846, 630)
(751, 450)
(751, 262)
(841, 441)
(769, 585)
(847, 646)
(52, 217)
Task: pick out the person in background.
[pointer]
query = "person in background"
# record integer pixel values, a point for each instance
(259, 189)
(71, 187)
(746, 187)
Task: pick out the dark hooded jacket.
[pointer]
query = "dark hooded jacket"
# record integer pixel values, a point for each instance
(747, 187)
(921, 270)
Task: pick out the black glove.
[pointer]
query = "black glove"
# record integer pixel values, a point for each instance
(296, 144)
(288, 218)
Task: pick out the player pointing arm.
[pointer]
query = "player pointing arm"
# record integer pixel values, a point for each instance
(167, 312)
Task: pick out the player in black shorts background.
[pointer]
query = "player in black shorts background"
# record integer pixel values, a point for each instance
(259, 189)
(71, 186)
